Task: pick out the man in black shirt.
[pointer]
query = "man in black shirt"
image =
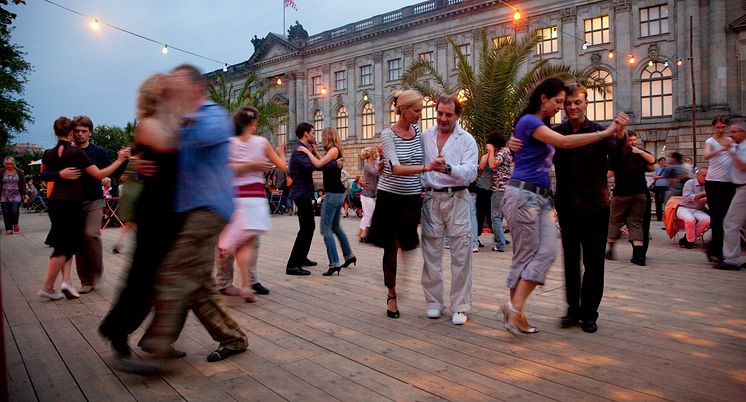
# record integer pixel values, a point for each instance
(629, 164)
(582, 203)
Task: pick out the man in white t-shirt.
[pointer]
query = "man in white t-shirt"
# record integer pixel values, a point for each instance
(735, 219)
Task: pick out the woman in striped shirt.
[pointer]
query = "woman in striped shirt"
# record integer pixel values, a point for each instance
(399, 200)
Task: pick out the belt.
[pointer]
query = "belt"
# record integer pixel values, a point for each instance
(446, 189)
(542, 191)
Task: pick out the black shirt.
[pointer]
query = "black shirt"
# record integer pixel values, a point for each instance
(67, 190)
(333, 178)
(92, 186)
(582, 186)
(629, 171)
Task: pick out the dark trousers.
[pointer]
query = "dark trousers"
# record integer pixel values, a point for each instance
(646, 218)
(305, 233)
(719, 196)
(586, 234)
(660, 194)
(484, 208)
(11, 210)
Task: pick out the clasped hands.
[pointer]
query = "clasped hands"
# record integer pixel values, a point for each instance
(438, 165)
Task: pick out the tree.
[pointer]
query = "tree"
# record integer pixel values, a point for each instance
(14, 111)
(251, 93)
(113, 138)
(496, 93)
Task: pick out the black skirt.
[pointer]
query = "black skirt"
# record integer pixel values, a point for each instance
(395, 220)
(68, 226)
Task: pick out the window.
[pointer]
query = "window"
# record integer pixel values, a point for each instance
(318, 123)
(429, 115)
(601, 103)
(597, 30)
(393, 117)
(656, 88)
(556, 119)
(366, 75)
(369, 120)
(501, 41)
(427, 56)
(394, 69)
(466, 51)
(316, 85)
(547, 40)
(343, 123)
(656, 148)
(654, 20)
(281, 129)
(340, 80)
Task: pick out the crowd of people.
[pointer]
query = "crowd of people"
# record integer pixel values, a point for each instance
(200, 206)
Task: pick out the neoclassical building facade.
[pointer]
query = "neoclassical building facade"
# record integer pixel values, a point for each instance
(345, 77)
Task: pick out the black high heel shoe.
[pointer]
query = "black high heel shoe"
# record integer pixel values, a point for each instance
(391, 314)
(331, 271)
(348, 261)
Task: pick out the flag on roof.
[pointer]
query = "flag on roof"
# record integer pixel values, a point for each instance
(291, 3)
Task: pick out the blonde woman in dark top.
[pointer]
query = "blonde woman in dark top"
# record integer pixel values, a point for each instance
(66, 205)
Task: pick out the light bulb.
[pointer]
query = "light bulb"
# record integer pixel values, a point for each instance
(165, 49)
(611, 54)
(585, 46)
(225, 68)
(365, 97)
(679, 62)
(666, 63)
(95, 25)
(323, 90)
(631, 59)
(279, 81)
(517, 15)
(650, 63)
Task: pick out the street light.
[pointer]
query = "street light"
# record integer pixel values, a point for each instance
(517, 14)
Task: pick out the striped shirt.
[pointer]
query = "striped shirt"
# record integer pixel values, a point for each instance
(400, 152)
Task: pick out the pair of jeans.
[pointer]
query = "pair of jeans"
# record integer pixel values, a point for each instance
(331, 210)
(497, 219)
(303, 239)
(11, 210)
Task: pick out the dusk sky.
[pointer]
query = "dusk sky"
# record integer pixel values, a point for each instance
(81, 71)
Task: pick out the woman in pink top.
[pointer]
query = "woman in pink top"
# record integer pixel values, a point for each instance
(250, 156)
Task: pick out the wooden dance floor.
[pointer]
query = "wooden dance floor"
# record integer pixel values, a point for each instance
(673, 330)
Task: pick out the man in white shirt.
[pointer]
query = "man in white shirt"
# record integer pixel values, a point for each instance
(446, 209)
(692, 207)
(735, 219)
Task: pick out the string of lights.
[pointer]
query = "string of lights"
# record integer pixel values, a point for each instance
(95, 24)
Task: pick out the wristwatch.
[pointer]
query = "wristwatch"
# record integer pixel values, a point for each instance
(449, 169)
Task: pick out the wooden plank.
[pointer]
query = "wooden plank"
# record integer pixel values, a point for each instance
(20, 387)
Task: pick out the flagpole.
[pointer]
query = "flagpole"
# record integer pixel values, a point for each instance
(283, 16)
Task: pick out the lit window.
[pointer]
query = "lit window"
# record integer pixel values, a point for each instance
(656, 87)
(343, 123)
(656, 148)
(393, 117)
(318, 124)
(394, 69)
(316, 85)
(429, 115)
(556, 119)
(466, 51)
(547, 40)
(366, 75)
(369, 120)
(501, 41)
(597, 30)
(601, 103)
(427, 56)
(340, 80)
(281, 129)
(654, 20)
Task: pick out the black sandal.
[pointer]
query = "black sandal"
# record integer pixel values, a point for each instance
(391, 314)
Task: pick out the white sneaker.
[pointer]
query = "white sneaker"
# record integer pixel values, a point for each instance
(433, 313)
(69, 291)
(48, 296)
(459, 318)
(85, 289)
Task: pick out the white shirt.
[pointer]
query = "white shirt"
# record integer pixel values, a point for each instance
(720, 166)
(737, 175)
(459, 151)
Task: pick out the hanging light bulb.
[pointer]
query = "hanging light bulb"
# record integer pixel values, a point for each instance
(365, 97)
(225, 68)
(165, 49)
(323, 90)
(585, 46)
(95, 24)
(517, 15)
(666, 63)
(611, 54)
(279, 81)
(631, 59)
(679, 62)
(650, 63)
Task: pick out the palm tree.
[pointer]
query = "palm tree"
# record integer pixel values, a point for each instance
(495, 94)
(252, 93)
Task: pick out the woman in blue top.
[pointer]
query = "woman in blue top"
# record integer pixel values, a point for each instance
(527, 205)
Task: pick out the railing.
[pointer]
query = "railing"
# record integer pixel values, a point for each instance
(315, 39)
(391, 17)
(338, 32)
(363, 25)
(424, 8)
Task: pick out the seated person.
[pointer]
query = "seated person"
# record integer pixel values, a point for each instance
(319, 199)
(106, 187)
(30, 193)
(692, 209)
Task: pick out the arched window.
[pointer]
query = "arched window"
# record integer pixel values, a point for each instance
(281, 129)
(393, 117)
(429, 117)
(318, 123)
(343, 123)
(656, 87)
(601, 103)
(369, 121)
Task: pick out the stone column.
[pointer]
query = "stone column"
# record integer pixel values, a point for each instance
(301, 94)
(626, 96)
(376, 96)
(441, 56)
(718, 54)
(567, 36)
(290, 82)
(352, 100)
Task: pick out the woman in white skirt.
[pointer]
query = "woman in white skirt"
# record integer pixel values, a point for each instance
(250, 157)
(368, 195)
